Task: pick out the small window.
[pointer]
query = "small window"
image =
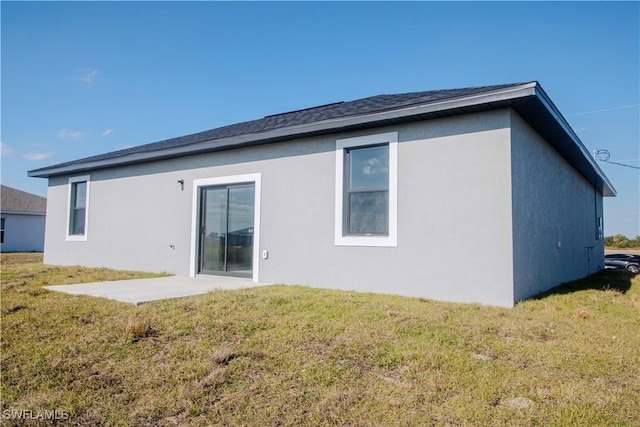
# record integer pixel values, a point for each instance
(599, 229)
(78, 208)
(1, 230)
(366, 190)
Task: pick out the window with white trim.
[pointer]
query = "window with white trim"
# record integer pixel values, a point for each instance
(78, 214)
(366, 190)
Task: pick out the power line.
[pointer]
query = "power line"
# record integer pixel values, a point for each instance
(604, 155)
(621, 164)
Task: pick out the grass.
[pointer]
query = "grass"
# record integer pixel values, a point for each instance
(299, 356)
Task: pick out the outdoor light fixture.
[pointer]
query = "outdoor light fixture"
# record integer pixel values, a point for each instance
(181, 184)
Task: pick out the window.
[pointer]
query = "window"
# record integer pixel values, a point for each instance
(78, 208)
(366, 201)
(1, 230)
(599, 229)
(366, 190)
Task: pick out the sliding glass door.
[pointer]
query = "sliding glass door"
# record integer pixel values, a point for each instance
(226, 229)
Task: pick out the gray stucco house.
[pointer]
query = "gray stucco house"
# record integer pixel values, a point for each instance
(473, 195)
(22, 220)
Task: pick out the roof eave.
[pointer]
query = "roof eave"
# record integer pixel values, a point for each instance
(500, 97)
(602, 182)
(291, 132)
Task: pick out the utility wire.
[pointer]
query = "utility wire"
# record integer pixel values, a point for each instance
(604, 155)
(620, 164)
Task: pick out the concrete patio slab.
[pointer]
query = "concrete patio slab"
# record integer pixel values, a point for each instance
(140, 291)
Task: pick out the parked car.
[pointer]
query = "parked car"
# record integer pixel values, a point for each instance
(627, 262)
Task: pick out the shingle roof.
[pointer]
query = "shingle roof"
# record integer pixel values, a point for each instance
(336, 110)
(526, 99)
(12, 200)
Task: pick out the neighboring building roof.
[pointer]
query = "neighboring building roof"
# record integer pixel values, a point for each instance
(16, 201)
(528, 99)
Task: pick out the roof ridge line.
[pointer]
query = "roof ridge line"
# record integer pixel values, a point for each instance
(303, 109)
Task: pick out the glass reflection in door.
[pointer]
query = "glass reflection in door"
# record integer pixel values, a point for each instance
(240, 229)
(226, 229)
(213, 229)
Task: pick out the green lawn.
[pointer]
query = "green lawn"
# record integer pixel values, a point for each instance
(283, 355)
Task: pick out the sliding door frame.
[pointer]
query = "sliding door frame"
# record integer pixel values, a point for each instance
(198, 185)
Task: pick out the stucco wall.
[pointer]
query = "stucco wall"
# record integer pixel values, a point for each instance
(454, 239)
(554, 216)
(23, 233)
(454, 214)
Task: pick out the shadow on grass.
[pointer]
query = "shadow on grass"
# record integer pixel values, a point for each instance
(605, 280)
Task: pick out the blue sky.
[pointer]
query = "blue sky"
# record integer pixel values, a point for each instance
(83, 78)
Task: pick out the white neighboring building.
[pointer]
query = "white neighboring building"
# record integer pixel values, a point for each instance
(22, 219)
